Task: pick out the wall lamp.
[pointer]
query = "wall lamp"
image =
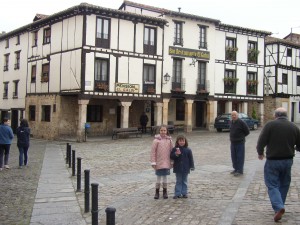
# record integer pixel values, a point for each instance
(166, 78)
(269, 74)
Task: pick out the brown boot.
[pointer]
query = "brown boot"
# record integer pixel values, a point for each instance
(157, 186)
(165, 193)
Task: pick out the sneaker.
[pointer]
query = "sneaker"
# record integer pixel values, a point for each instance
(175, 197)
(279, 215)
(1, 169)
(6, 166)
(233, 172)
(20, 167)
(237, 174)
(184, 196)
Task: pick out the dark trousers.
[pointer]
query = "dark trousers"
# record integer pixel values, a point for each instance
(238, 156)
(4, 149)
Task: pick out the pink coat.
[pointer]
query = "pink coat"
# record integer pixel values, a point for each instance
(160, 152)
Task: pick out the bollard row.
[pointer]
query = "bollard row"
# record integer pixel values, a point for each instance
(110, 211)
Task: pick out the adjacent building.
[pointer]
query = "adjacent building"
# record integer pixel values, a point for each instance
(283, 76)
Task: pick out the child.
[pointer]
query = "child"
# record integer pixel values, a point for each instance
(183, 163)
(160, 159)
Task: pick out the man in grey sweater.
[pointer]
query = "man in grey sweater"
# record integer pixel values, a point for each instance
(280, 137)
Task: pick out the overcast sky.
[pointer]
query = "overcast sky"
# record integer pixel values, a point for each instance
(276, 16)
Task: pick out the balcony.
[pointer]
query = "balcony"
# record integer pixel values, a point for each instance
(252, 55)
(149, 49)
(252, 87)
(202, 89)
(177, 88)
(101, 86)
(178, 41)
(230, 53)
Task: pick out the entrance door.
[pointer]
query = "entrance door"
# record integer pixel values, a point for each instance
(200, 114)
(119, 117)
(14, 119)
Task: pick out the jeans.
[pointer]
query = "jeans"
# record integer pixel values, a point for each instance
(181, 184)
(4, 149)
(23, 151)
(277, 175)
(238, 156)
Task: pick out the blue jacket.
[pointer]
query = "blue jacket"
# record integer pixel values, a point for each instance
(184, 162)
(23, 135)
(6, 134)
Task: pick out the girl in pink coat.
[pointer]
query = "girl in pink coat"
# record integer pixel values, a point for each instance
(160, 159)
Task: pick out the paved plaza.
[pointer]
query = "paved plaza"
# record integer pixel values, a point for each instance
(126, 181)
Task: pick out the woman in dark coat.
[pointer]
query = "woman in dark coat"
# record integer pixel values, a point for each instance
(23, 136)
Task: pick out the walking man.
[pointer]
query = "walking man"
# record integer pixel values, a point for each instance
(238, 132)
(280, 137)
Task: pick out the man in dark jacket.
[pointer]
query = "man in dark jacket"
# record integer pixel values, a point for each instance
(23, 135)
(280, 136)
(143, 122)
(238, 131)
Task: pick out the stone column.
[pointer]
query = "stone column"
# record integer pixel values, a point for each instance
(211, 114)
(245, 108)
(188, 125)
(228, 107)
(82, 107)
(125, 114)
(261, 113)
(158, 109)
(165, 110)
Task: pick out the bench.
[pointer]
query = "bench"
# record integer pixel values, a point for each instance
(171, 129)
(127, 131)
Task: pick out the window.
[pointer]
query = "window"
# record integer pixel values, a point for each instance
(6, 62)
(203, 38)
(201, 76)
(45, 73)
(94, 113)
(252, 52)
(5, 90)
(32, 112)
(46, 113)
(180, 109)
(150, 41)
(101, 74)
(231, 49)
(17, 63)
(103, 33)
(284, 78)
(18, 40)
(289, 52)
(16, 84)
(298, 80)
(47, 35)
(252, 83)
(178, 39)
(177, 73)
(34, 38)
(7, 43)
(149, 79)
(230, 81)
(33, 73)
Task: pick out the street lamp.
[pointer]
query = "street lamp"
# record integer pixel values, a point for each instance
(166, 78)
(269, 74)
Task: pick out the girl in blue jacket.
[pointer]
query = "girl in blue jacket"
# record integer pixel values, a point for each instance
(183, 163)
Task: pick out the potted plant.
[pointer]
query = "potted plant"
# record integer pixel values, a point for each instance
(230, 80)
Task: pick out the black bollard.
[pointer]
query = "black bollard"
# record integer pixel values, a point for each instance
(94, 210)
(78, 174)
(73, 162)
(110, 216)
(67, 153)
(70, 156)
(86, 191)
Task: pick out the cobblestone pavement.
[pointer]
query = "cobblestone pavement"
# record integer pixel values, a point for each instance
(126, 182)
(18, 186)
